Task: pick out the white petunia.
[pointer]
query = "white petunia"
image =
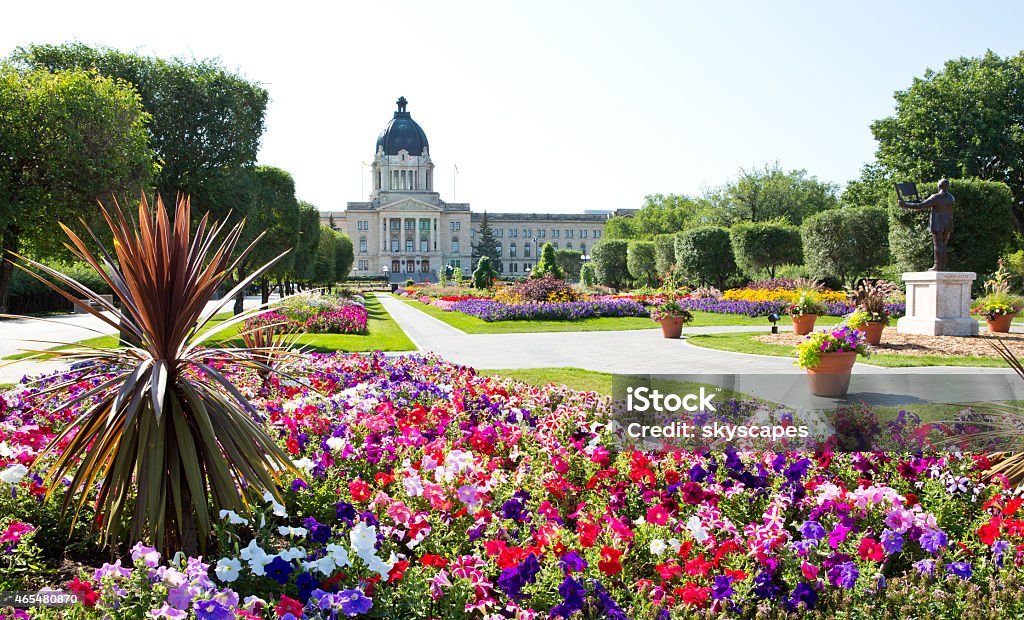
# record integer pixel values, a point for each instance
(339, 554)
(324, 565)
(293, 553)
(253, 551)
(380, 566)
(413, 486)
(227, 569)
(658, 546)
(13, 474)
(675, 544)
(459, 460)
(336, 444)
(233, 517)
(304, 464)
(364, 538)
(699, 533)
(295, 532)
(5, 450)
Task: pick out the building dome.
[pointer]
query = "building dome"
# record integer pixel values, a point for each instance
(402, 133)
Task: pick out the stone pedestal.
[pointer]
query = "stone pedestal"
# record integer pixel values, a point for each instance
(938, 304)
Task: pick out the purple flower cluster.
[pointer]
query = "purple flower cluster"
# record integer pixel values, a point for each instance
(490, 310)
(764, 308)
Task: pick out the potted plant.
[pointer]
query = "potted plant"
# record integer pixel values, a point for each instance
(871, 314)
(804, 311)
(672, 317)
(998, 305)
(828, 357)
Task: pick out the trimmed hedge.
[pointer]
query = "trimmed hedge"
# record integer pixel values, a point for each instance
(704, 256)
(609, 256)
(761, 246)
(983, 228)
(640, 257)
(29, 296)
(846, 243)
(664, 253)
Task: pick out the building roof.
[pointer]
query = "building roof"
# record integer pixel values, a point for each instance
(402, 133)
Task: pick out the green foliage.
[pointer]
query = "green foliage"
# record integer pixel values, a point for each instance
(547, 265)
(845, 243)
(569, 261)
(587, 275)
(325, 270)
(484, 274)
(609, 260)
(962, 121)
(672, 213)
(982, 228)
(29, 295)
(808, 352)
(620, 227)
(304, 256)
(640, 262)
(671, 309)
(874, 188)
(203, 117)
(344, 258)
(487, 243)
(765, 246)
(664, 253)
(761, 195)
(67, 138)
(704, 256)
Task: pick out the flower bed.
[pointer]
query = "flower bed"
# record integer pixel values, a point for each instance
(315, 314)
(764, 308)
(490, 310)
(430, 491)
(785, 295)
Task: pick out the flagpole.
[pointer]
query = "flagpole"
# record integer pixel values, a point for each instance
(455, 173)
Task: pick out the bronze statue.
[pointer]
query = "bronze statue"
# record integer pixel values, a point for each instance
(940, 221)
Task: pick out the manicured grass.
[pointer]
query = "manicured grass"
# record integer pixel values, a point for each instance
(474, 325)
(743, 342)
(575, 378)
(383, 334)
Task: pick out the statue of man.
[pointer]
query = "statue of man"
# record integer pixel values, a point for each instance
(940, 221)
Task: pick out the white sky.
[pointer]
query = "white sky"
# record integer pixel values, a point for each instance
(554, 106)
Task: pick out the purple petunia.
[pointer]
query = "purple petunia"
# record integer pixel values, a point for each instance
(933, 540)
(960, 569)
(892, 541)
(353, 602)
(212, 610)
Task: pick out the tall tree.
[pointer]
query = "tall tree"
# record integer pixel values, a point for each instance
(67, 139)
(203, 117)
(759, 195)
(966, 120)
(309, 237)
(671, 213)
(620, 227)
(487, 243)
(325, 269)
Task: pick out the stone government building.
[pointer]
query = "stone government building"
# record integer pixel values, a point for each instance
(408, 230)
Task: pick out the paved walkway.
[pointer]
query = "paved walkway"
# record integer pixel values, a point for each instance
(647, 352)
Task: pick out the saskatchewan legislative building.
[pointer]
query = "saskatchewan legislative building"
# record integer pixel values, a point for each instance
(406, 231)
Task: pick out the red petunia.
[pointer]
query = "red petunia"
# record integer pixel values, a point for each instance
(288, 606)
(870, 549)
(698, 566)
(657, 515)
(433, 560)
(609, 562)
(360, 490)
(989, 532)
(694, 595)
(588, 534)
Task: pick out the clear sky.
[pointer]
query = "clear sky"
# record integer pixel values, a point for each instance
(554, 106)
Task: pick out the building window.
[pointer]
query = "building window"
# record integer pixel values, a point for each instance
(499, 232)
(454, 226)
(424, 245)
(583, 249)
(408, 245)
(396, 224)
(394, 244)
(410, 266)
(364, 265)
(568, 233)
(597, 234)
(425, 266)
(425, 225)
(540, 233)
(526, 250)
(527, 232)
(396, 266)
(555, 245)
(568, 245)
(583, 234)
(362, 245)
(455, 245)
(472, 232)
(555, 233)
(513, 232)
(512, 250)
(410, 224)
(498, 245)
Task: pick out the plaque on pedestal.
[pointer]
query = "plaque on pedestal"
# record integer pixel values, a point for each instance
(938, 304)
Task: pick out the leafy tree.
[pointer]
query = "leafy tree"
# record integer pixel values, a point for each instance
(769, 194)
(704, 255)
(569, 261)
(484, 274)
(609, 256)
(547, 265)
(325, 270)
(846, 243)
(640, 262)
(765, 245)
(664, 253)
(671, 213)
(620, 227)
(66, 139)
(962, 121)
(343, 258)
(304, 258)
(487, 243)
(982, 229)
(203, 117)
(874, 188)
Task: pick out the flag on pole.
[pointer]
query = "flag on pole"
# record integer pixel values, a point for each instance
(456, 168)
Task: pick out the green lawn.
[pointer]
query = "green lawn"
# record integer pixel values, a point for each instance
(743, 342)
(474, 325)
(383, 334)
(575, 378)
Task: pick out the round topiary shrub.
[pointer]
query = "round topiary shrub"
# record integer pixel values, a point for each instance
(845, 243)
(704, 256)
(765, 246)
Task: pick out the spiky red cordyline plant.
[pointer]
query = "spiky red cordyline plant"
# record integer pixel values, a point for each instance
(167, 423)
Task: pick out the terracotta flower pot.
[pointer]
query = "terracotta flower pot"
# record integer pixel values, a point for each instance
(1001, 324)
(672, 327)
(873, 331)
(831, 377)
(803, 324)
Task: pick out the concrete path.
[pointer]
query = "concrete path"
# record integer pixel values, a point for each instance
(647, 352)
(16, 335)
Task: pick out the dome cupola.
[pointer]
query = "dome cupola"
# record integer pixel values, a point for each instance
(402, 133)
